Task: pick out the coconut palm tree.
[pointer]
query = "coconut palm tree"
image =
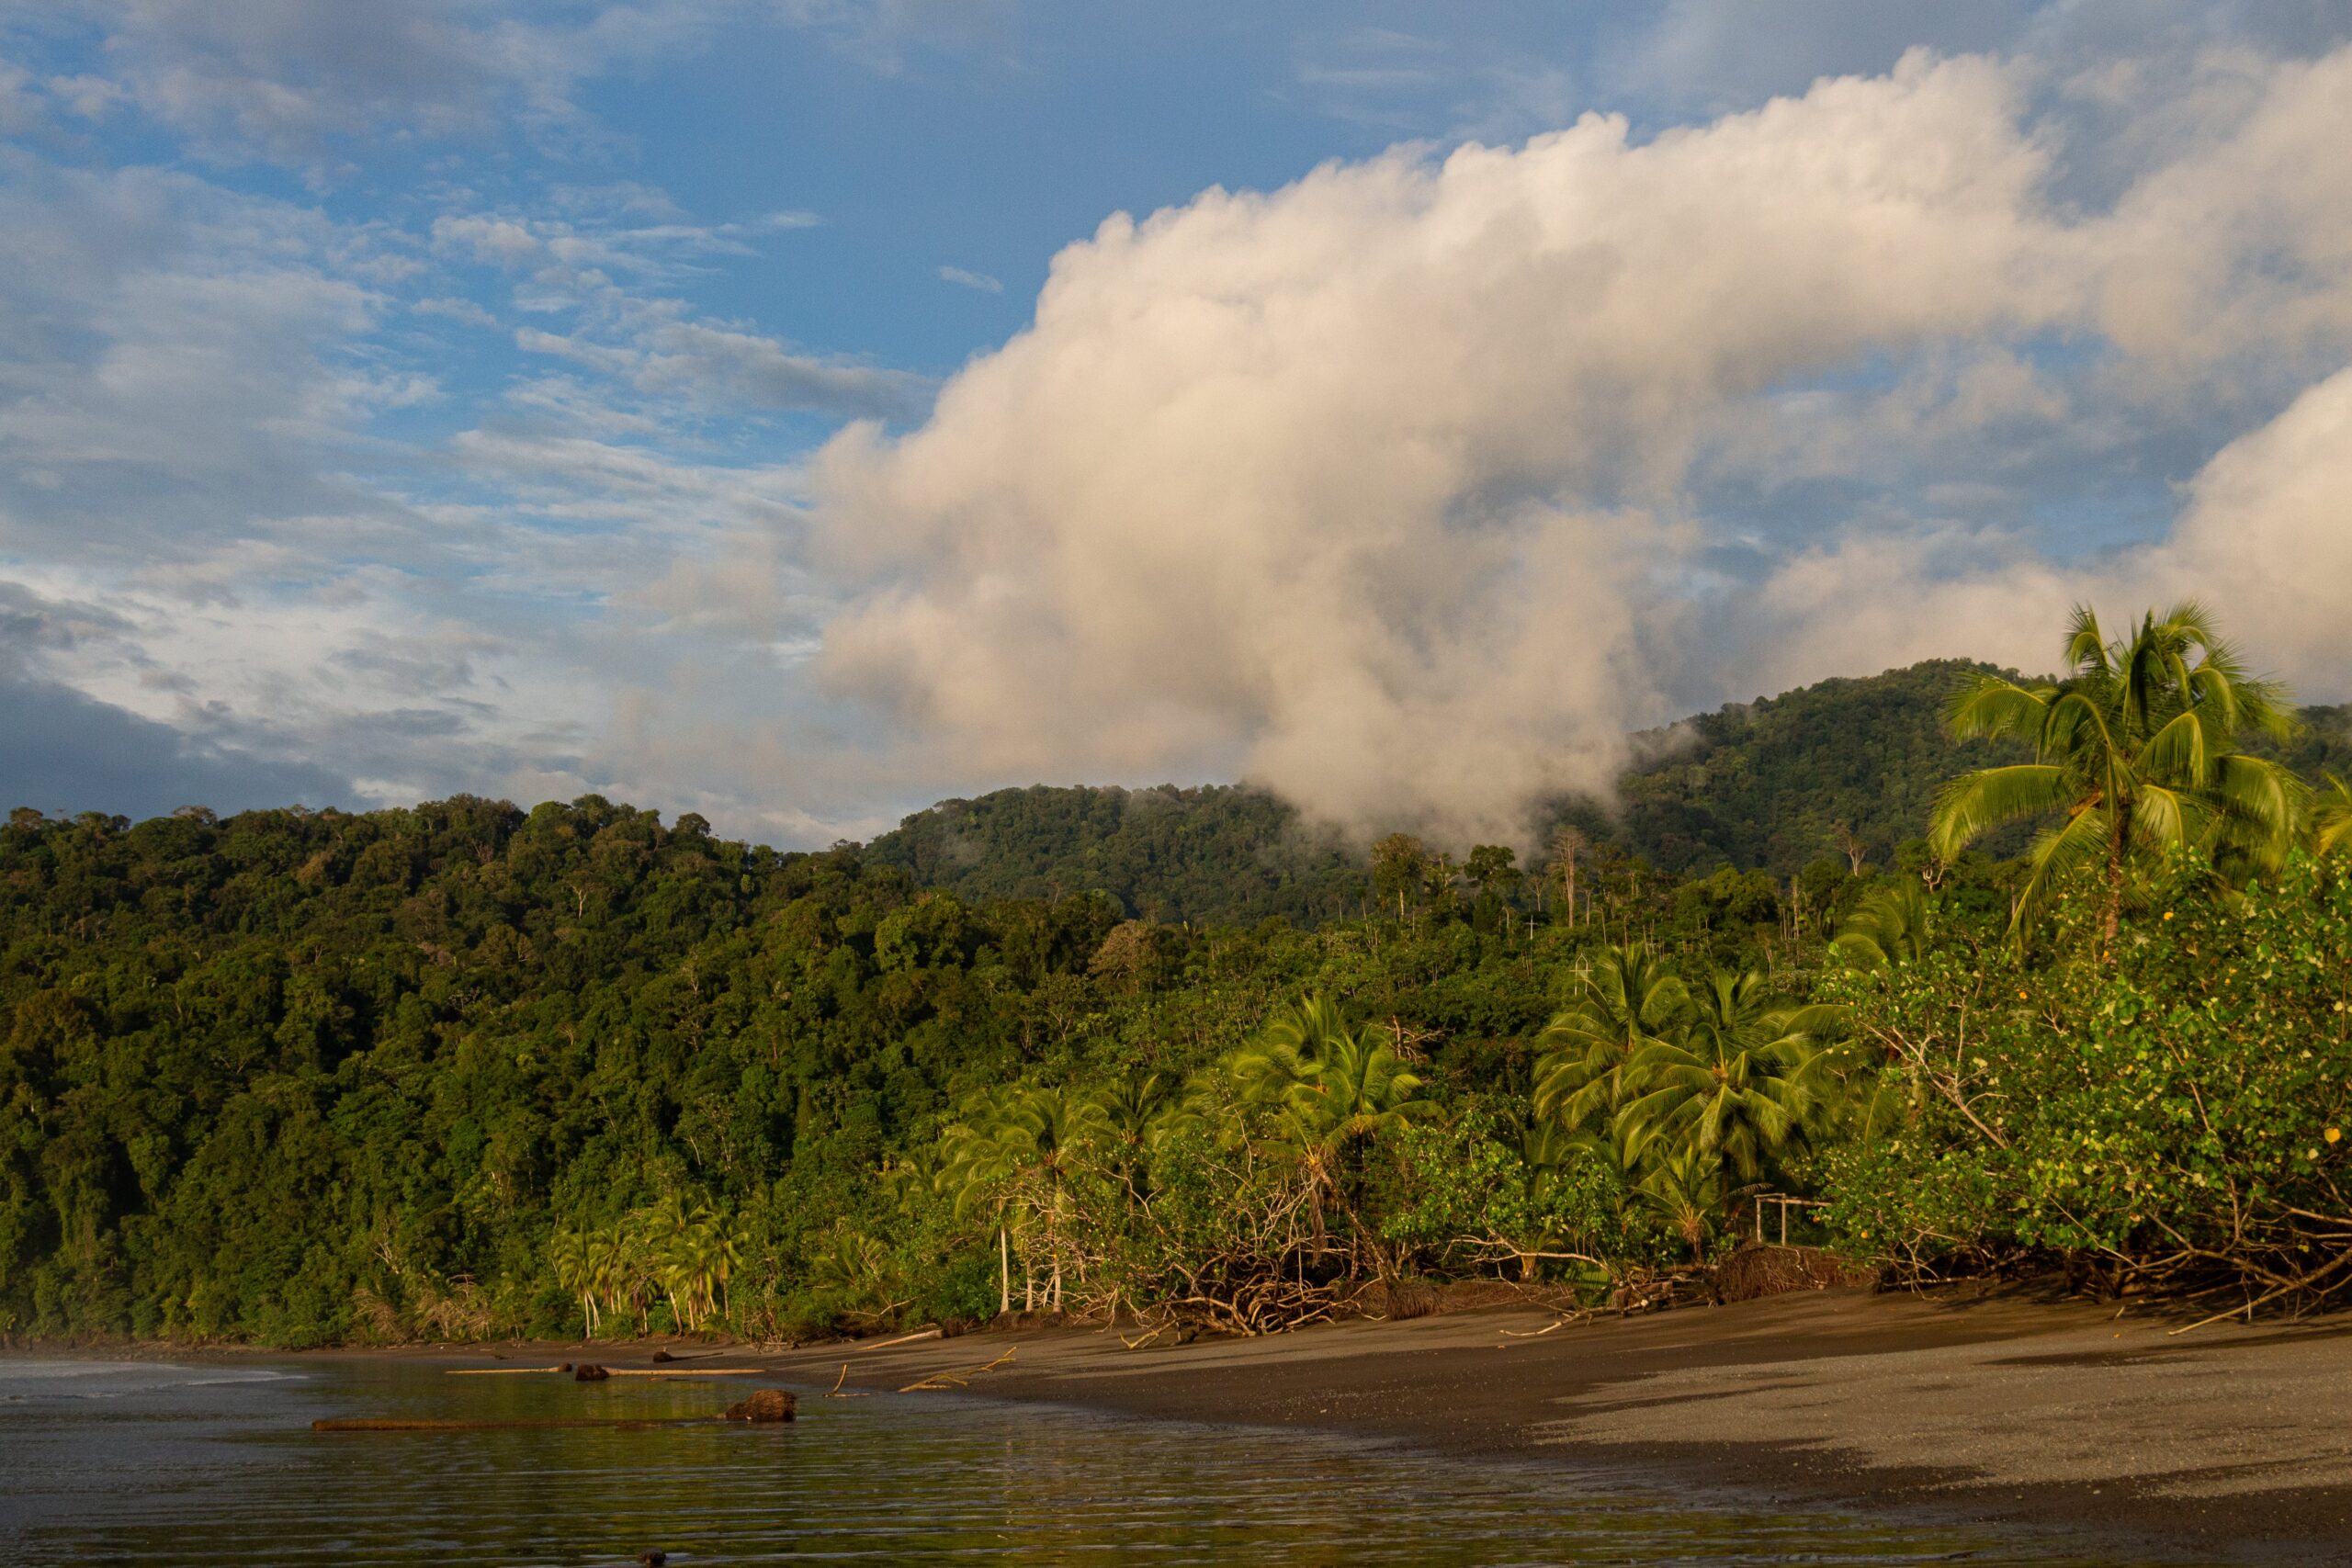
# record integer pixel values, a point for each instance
(1626, 1001)
(1017, 1151)
(1734, 1084)
(1686, 1190)
(2332, 821)
(1331, 1089)
(1890, 926)
(2135, 753)
(573, 1256)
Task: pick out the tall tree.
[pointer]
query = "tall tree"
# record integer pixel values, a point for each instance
(1569, 843)
(1629, 1000)
(1733, 1084)
(2331, 822)
(2135, 753)
(1333, 1089)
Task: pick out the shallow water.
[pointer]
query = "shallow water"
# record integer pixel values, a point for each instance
(147, 1462)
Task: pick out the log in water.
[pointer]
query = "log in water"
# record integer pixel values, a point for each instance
(420, 1423)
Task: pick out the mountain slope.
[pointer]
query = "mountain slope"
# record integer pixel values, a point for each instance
(1767, 783)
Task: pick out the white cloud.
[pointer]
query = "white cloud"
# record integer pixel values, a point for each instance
(1378, 486)
(964, 278)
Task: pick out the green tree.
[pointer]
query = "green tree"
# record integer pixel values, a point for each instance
(2136, 753)
(2332, 821)
(1628, 1000)
(1331, 1089)
(1890, 926)
(1019, 1151)
(1732, 1084)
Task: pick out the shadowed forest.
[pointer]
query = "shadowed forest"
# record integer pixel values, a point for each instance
(1992, 971)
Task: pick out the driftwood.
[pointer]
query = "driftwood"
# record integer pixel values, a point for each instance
(422, 1424)
(588, 1372)
(501, 1371)
(933, 1333)
(683, 1372)
(938, 1380)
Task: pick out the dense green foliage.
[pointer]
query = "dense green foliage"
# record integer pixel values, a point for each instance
(1219, 854)
(1781, 781)
(2184, 1106)
(468, 1070)
(1845, 769)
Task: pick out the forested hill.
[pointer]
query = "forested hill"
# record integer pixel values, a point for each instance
(1220, 853)
(1777, 783)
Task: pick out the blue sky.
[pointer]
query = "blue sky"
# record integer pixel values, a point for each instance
(668, 398)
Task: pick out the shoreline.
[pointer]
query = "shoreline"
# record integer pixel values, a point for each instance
(2064, 1419)
(2229, 1444)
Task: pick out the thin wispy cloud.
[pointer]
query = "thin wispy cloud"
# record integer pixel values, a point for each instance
(964, 277)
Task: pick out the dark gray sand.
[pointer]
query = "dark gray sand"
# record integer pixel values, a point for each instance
(2220, 1444)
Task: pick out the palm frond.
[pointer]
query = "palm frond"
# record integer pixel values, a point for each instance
(1989, 706)
(1974, 804)
(2332, 820)
(2078, 841)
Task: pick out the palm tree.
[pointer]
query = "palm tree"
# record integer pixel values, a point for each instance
(1735, 1084)
(1331, 1087)
(2135, 751)
(1628, 1000)
(1685, 1190)
(1017, 1151)
(1890, 926)
(2331, 822)
(573, 1258)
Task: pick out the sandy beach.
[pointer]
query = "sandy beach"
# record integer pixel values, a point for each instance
(2224, 1444)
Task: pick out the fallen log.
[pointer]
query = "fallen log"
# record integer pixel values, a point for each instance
(683, 1372)
(437, 1424)
(933, 1333)
(938, 1382)
(500, 1372)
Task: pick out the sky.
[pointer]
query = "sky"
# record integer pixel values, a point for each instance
(800, 410)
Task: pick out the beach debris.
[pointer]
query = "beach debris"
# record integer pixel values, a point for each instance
(838, 1392)
(589, 1371)
(765, 1405)
(934, 1332)
(501, 1371)
(940, 1380)
(661, 1356)
(683, 1372)
(519, 1424)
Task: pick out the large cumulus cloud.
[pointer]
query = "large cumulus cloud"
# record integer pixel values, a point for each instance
(1380, 487)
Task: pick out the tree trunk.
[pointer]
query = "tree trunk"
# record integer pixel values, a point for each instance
(1004, 1271)
(2111, 921)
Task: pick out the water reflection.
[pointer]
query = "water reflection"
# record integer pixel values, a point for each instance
(142, 1463)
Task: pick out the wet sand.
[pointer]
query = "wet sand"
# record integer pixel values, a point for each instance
(2226, 1444)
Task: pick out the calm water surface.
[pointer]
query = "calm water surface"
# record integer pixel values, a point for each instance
(145, 1462)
